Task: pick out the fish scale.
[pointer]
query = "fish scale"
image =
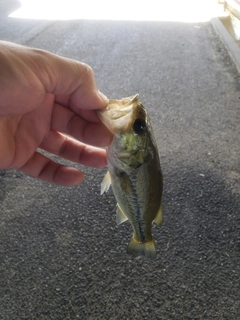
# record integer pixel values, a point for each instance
(134, 171)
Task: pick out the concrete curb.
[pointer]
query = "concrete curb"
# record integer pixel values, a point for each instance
(228, 41)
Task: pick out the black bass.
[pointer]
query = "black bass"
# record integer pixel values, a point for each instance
(134, 171)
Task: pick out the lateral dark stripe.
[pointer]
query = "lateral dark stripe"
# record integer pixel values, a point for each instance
(138, 209)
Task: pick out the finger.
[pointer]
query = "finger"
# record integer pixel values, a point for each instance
(73, 150)
(89, 115)
(63, 100)
(46, 169)
(70, 78)
(66, 121)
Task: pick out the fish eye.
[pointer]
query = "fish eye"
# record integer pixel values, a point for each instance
(139, 126)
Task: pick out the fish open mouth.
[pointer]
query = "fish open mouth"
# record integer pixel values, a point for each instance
(118, 113)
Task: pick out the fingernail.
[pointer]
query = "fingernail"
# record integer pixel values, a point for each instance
(103, 97)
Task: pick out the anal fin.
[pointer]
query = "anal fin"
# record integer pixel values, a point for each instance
(159, 217)
(120, 215)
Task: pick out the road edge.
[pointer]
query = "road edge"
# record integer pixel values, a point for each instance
(228, 41)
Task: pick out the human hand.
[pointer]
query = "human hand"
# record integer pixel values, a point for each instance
(44, 99)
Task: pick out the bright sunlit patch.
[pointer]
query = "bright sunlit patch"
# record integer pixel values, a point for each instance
(147, 10)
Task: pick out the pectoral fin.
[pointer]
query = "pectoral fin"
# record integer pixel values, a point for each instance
(120, 215)
(159, 217)
(105, 185)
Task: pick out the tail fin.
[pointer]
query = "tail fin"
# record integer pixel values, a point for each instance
(146, 249)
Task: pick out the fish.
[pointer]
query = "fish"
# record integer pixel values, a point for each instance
(134, 171)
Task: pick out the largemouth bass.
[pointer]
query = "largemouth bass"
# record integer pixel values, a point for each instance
(134, 171)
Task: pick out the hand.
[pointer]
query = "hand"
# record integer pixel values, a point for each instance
(44, 99)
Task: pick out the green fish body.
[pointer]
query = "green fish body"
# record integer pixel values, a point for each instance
(134, 171)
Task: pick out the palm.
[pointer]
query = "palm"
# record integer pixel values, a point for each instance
(25, 134)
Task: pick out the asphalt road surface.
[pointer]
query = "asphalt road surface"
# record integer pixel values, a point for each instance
(62, 255)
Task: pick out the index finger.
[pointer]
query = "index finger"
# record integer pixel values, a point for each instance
(68, 122)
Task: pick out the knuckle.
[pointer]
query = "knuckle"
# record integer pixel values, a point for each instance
(87, 73)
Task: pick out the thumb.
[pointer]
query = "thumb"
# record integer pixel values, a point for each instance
(68, 77)
(84, 93)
